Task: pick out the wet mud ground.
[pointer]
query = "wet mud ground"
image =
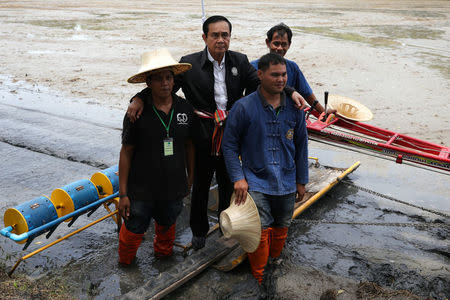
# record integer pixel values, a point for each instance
(350, 235)
(62, 101)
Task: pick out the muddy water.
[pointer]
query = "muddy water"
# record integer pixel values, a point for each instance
(350, 232)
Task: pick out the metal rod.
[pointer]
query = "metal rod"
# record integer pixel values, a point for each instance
(59, 240)
(377, 154)
(36, 231)
(203, 13)
(319, 194)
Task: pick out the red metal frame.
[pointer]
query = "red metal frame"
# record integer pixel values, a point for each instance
(386, 142)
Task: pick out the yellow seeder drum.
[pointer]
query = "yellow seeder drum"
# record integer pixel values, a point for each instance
(74, 196)
(108, 180)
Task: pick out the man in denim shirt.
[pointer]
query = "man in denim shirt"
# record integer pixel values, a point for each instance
(269, 133)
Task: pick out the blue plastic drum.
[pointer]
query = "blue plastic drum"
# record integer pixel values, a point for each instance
(30, 215)
(74, 196)
(108, 180)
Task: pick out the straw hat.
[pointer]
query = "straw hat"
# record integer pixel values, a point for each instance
(349, 108)
(242, 223)
(155, 60)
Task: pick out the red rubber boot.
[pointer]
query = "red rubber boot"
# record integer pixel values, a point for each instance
(277, 240)
(163, 241)
(258, 259)
(128, 245)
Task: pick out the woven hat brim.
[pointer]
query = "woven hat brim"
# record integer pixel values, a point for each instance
(176, 69)
(364, 113)
(248, 244)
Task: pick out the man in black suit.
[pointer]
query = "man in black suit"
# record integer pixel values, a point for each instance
(218, 78)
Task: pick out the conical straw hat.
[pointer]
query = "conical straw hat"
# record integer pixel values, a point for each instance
(349, 108)
(155, 60)
(242, 223)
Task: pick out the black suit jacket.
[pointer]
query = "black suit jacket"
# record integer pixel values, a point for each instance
(198, 86)
(198, 83)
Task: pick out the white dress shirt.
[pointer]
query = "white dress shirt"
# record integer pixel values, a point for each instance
(220, 87)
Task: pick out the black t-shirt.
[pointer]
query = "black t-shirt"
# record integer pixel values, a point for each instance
(154, 176)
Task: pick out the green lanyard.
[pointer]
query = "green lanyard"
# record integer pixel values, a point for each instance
(164, 124)
(278, 110)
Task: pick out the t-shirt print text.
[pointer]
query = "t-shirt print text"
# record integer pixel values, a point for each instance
(182, 119)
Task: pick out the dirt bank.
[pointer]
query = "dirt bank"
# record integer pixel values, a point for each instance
(392, 56)
(313, 283)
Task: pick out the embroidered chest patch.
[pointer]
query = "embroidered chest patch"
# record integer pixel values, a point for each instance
(290, 134)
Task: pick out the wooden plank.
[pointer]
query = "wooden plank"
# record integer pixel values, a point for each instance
(179, 274)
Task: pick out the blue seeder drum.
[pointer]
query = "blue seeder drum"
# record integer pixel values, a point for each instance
(30, 215)
(74, 196)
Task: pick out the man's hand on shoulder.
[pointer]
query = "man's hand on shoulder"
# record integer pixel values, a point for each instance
(240, 190)
(135, 109)
(300, 102)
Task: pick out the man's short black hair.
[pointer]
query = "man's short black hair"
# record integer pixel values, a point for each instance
(214, 19)
(270, 59)
(281, 29)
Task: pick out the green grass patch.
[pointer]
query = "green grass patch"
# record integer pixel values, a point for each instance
(195, 16)
(418, 13)
(140, 13)
(410, 32)
(437, 62)
(21, 287)
(378, 36)
(348, 36)
(85, 24)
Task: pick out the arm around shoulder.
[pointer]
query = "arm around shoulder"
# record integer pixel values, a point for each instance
(136, 106)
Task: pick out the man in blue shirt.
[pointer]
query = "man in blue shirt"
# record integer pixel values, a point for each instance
(278, 40)
(269, 134)
(218, 78)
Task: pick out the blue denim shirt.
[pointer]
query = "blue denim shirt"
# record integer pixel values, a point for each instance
(273, 146)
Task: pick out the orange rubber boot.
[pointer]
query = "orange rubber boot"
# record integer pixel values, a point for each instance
(128, 245)
(278, 237)
(163, 241)
(258, 259)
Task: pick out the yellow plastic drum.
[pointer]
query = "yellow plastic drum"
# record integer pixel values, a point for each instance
(108, 180)
(30, 215)
(74, 196)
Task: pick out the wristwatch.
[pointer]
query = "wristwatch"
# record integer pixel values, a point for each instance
(314, 104)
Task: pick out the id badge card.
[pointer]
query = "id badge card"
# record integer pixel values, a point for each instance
(168, 146)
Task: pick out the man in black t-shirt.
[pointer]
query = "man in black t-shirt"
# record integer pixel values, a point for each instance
(156, 151)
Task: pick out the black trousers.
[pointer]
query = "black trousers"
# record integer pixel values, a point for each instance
(164, 213)
(205, 165)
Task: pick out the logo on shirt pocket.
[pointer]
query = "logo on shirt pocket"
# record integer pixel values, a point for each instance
(290, 134)
(182, 119)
